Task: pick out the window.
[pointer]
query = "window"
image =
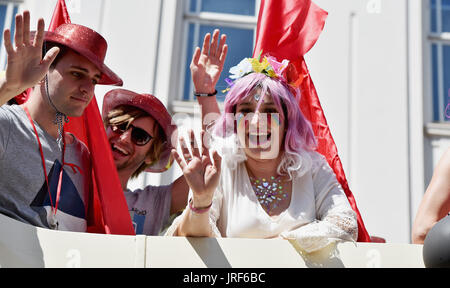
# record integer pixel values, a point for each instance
(236, 18)
(439, 37)
(8, 10)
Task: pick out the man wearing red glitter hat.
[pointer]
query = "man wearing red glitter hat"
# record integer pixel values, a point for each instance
(45, 173)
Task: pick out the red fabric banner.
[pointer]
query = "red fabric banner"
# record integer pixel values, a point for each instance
(108, 210)
(60, 15)
(288, 29)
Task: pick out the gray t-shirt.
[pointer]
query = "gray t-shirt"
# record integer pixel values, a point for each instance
(23, 190)
(149, 208)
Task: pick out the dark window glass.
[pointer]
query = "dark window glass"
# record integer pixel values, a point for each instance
(239, 7)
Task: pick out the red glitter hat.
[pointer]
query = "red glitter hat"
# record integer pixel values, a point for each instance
(87, 43)
(155, 109)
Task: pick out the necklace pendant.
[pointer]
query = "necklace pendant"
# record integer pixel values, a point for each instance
(53, 223)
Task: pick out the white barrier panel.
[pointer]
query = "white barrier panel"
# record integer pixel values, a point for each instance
(179, 252)
(23, 245)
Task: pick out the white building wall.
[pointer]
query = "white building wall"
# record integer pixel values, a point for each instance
(361, 67)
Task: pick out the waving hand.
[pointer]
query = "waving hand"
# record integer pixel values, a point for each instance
(201, 172)
(207, 63)
(25, 65)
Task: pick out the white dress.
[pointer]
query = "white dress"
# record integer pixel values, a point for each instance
(318, 214)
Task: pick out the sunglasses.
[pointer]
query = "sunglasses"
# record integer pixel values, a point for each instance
(138, 135)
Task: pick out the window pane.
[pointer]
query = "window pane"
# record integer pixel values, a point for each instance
(240, 45)
(187, 73)
(445, 15)
(240, 7)
(3, 25)
(13, 24)
(193, 5)
(2, 19)
(441, 88)
(433, 19)
(446, 84)
(434, 50)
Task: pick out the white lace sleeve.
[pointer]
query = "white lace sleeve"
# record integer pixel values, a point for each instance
(214, 214)
(336, 221)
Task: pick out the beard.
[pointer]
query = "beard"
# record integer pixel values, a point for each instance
(130, 165)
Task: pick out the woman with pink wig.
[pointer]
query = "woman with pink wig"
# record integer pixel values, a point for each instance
(263, 178)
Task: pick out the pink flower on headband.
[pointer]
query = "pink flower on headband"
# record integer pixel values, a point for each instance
(278, 67)
(270, 66)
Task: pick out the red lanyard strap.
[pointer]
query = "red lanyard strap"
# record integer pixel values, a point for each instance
(58, 193)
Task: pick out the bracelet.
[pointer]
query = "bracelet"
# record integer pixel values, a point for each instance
(205, 94)
(199, 210)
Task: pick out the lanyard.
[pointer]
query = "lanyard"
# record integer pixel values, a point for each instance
(58, 193)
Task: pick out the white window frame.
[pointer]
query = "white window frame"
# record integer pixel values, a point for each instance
(205, 18)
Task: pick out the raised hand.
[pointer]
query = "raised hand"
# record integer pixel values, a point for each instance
(200, 171)
(207, 64)
(25, 65)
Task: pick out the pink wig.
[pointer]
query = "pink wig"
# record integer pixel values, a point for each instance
(299, 137)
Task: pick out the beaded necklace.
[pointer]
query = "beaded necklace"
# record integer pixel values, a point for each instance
(60, 118)
(270, 192)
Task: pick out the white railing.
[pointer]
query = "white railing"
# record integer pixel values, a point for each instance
(23, 245)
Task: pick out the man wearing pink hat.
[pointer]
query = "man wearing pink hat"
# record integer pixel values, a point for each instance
(44, 172)
(141, 134)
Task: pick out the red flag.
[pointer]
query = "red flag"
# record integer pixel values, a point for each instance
(108, 210)
(60, 16)
(287, 29)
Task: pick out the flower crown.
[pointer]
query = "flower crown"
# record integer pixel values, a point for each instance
(269, 66)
